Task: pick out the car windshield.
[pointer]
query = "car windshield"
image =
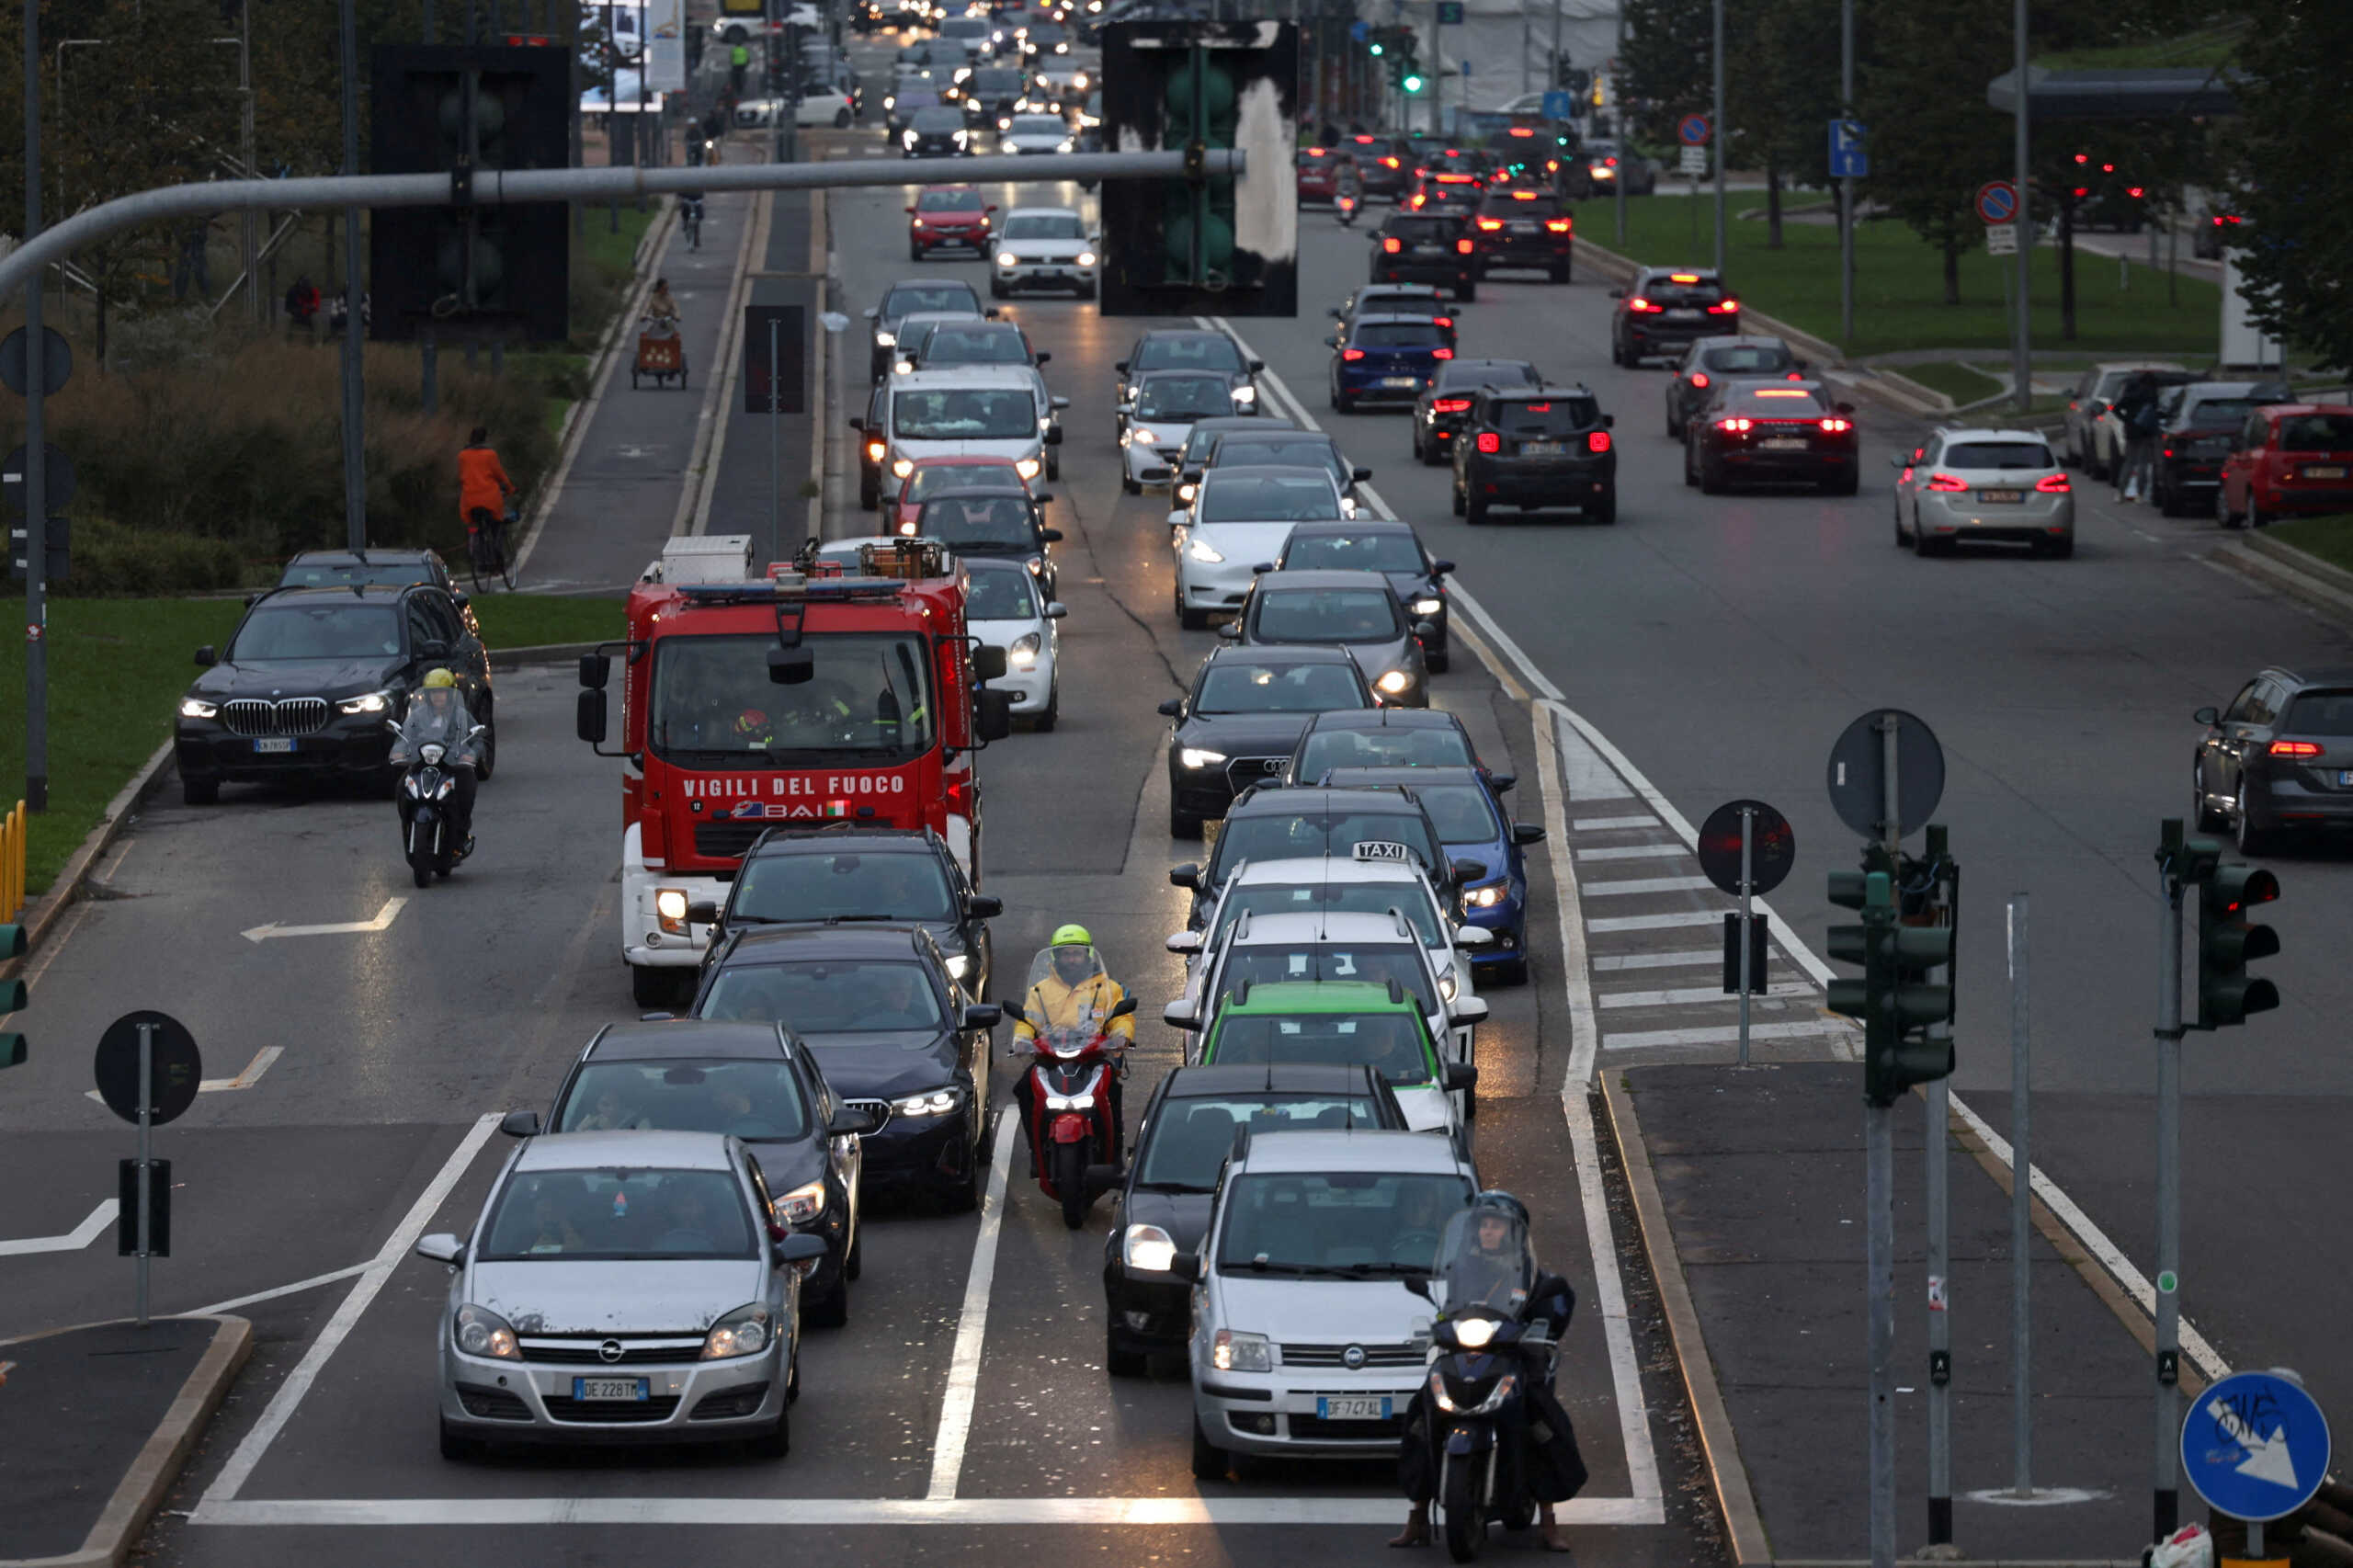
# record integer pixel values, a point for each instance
(1040, 125)
(1189, 351)
(334, 628)
(1382, 552)
(822, 997)
(1231, 685)
(1260, 452)
(994, 82)
(2316, 433)
(804, 883)
(1334, 898)
(1998, 454)
(1682, 290)
(1404, 963)
(930, 479)
(950, 201)
(1326, 615)
(978, 522)
(937, 122)
(964, 414)
(1043, 225)
(1391, 1044)
(1000, 596)
(870, 695)
(1184, 397)
(1435, 747)
(1247, 499)
(1313, 834)
(908, 298)
(1545, 416)
(623, 1212)
(1746, 360)
(1461, 812)
(344, 574)
(1486, 373)
(1421, 230)
(1191, 1136)
(2320, 713)
(979, 344)
(746, 1099)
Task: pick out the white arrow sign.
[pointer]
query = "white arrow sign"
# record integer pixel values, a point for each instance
(2267, 1459)
(384, 918)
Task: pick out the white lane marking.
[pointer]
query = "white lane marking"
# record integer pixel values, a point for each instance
(74, 1240)
(1655, 921)
(281, 1410)
(1778, 990)
(1634, 852)
(384, 920)
(1589, 778)
(1691, 957)
(1612, 825)
(972, 1328)
(263, 1060)
(313, 1283)
(1092, 1512)
(1724, 1035)
(1646, 884)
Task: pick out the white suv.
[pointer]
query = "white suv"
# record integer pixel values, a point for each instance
(968, 411)
(1238, 521)
(1315, 1234)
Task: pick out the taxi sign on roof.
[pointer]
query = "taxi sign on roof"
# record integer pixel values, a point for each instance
(1383, 849)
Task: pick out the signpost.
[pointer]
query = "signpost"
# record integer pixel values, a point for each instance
(1693, 130)
(1997, 209)
(1560, 104)
(1849, 154)
(2256, 1447)
(148, 1071)
(1746, 849)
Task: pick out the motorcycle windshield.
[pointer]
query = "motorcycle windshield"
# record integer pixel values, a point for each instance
(435, 718)
(1069, 988)
(1489, 1264)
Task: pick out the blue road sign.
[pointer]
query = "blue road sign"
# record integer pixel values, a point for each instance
(1848, 158)
(1560, 104)
(2256, 1446)
(1997, 201)
(1450, 12)
(1359, 32)
(1693, 131)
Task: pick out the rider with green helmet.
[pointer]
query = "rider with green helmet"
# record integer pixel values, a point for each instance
(1071, 987)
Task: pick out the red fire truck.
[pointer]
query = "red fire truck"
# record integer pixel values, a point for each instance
(747, 702)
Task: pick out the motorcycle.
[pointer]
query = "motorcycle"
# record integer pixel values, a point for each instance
(1071, 1130)
(426, 800)
(1347, 206)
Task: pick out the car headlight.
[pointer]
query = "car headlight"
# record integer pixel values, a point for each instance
(1065, 145)
(1196, 757)
(1024, 650)
(903, 467)
(1037, 566)
(1086, 258)
(670, 904)
(1078, 82)
(907, 139)
(1245, 394)
(959, 965)
(1234, 1352)
(1394, 682)
(480, 1332)
(1185, 491)
(1007, 258)
(744, 1332)
(1138, 433)
(1486, 897)
(887, 339)
(368, 702)
(197, 707)
(1026, 468)
(1148, 1249)
(931, 1102)
(1201, 549)
(802, 1204)
(1004, 123)
(962, 137)
(1428, 607)
(1447, 988)
(874, 451)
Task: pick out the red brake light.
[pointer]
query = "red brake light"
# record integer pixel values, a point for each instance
(1465, 246)
(1557, 225)
(1316, 151)
(2052, 485)
(1612, 161)
(1441, 321)
(2134, 191)
(1737, 424)
(1540, 408)
(1596, 441)
(1908, 474)
(1523, 196)
(1946, 482)
(1391, 247)
(1490, 442)
(1727, 307)
(1836, 426)
(1351, 354)
(1794, 375)
(1451, 405)
(1638, 305)
(960, 796)
(1699, 378)
(1388, 163)
(2294, 748)
(1491, 224)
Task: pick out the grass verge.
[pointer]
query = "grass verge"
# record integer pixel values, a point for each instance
(2329, 538)
(1899, 284)
(1963, 383)
(534, 621)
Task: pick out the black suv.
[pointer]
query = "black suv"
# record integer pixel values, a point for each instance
(989, 94)
(896, 1036)
(1711, 361)
(820, 876)
(312, 681)
(1539, 449)
(755, 1082)
(1425, 247)
(391, 568)
(2278, 759)
(1518, 226)
(1238, 723)
(1664, 308)
(1308, 823)
(1439, 412)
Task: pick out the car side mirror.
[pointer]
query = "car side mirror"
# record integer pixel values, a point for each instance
(1184, 941)
(1055, 436)
(1614, 293)
(798, 1248)
(911, 207)
(442, 1247)
(1462, 1076)
(1043, 355)
(1011, 1012)
(1056, 403)
(1050, 536)
(1359, 475)
(1527, 832)
(520, 1124)
(859, 424)
(850, 1123)
(982, 1016)
(1842, 408)
(702, 913)
(1334, 314)
(1182, 1015)
(1043, 498)
(2207, 716)
(1468, 870)
(1121, 367)
(1257, 366)
(1473, 937)
(1057, 610)
(589, 717)
(205, 658)
(1172, 708)
(871, 312)
(1176, 520)
(1441, 568)
(1419, 1287)
(1188, 875)
(1331, 342)
(1261, 567)
(462, 600)
(1896, 461)
(989, 663)
(1609, 421)
(1186, 1265)
(992, 313)
(1231, 630)
(1501, 783)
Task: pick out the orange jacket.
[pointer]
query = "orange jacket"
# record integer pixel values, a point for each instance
(482, 482)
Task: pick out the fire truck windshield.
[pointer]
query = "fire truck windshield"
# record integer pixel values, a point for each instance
(713, 702)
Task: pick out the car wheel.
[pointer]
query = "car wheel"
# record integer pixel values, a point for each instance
(914, 253)
(1439, 660)
(1512, 973)
(1604, 511)
(855, 1263)
(1691, 470)
(1183, 825)
(965, 1195)
(1673, 426)
(456, 1446)
(776, 1442)
(1560, 272)
(1711, 482)
(653, 989)
(1466, 290)
(489, 751)
(1459, 507)
(2060, 549)
(1121, 1363)
(2201, 811)
(997, 289)
(1342, 402)
(2253, 519)
(1474, 511)
(2250, 839)
(1900, 541)
(841, 120)
(1044, 722)
(198, 792)
(1617, 354)
(2168, 502)
(1209, 1462)
(832, 1308)
(1847, 483)
(1192, 620)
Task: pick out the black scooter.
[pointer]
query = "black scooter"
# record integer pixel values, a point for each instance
(1478, 1410)
(426, 800)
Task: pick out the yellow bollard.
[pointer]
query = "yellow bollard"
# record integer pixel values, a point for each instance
(12, 863)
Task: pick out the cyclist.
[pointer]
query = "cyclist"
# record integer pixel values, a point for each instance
(482, 490)
(690, 217)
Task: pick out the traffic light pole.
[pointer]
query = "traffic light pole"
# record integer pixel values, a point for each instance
(354, 453)
(1721, 135)
(1879, 1225)
(36, 459)
(2171, 864)
(1937, 1098)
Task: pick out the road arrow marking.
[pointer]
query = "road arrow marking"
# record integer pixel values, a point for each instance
(74, 1240)
(384, 918)
(2267, 1459)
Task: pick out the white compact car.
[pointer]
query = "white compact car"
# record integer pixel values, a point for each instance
(1036, 134)
(1155, 424)
(1982, 485)
(1045, 247)
(1006, 609)
(1315, 1236)
(988, 411)
(1238, 521)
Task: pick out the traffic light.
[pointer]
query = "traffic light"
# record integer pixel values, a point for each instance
(2226, 941)
(1899, 1000)
(1413, 82)
(494, 273)
(1201, 244)
(12, 997)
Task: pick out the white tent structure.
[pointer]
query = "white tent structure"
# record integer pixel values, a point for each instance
(1502, 47)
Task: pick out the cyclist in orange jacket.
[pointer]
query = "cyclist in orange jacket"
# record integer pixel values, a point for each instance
(482, 484)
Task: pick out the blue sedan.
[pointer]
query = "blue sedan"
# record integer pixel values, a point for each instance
(1472, 826)
(1379, 359)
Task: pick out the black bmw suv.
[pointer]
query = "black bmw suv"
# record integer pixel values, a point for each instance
(1538, 449)
(313, 679)
(1425, 247)
(1239, 722)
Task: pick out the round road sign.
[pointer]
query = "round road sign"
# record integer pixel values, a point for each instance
(1857, 774)
(2256, 1446)
(177, 1068)
(1772, 847)
(1693, 130)
(1997, 201)
(16, 360)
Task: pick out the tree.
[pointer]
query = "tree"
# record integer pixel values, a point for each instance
(1933, 142)
(2290, 176)
(1664, 71)
(1782, 95)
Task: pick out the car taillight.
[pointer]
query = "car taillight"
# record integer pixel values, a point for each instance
(2052, 485)
(1638, 305)
(1490, 442)
(1612, 161)
(1836, 426)
(1906, 477)
(1597, 440)
(2294, 748)
(1737, 425)
(1388, 163)
(1491, 224)
(2168, 451)
(1699, 378)
(1441, 352)
(1447, 321)
(1729, 307)
(1392, 246)
(1451, 405)
(1946, 482)
(1794, 375)
(1465, 246)
(1558, 225)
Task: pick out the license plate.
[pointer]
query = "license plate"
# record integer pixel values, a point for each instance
(2324, 473)
(624, 1389)
(1783, 444)
(274, 744)
(1401, 380)
(1683, 315)
(1429, 250)
(1523, 228)
(2344, 779)
(1541, 449)
(1998, 497)
(1352, 1407)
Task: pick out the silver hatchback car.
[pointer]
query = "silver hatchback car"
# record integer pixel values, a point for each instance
(1974, 485)
(622, 1287)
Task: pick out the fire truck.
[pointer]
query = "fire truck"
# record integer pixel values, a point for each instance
(810, 694)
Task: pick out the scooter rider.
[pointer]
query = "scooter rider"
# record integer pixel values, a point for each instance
(1488, 1261)
(436, 715)
(1069, 987)
(1348, 189)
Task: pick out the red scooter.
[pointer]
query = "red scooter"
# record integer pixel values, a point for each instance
(1071, 1115)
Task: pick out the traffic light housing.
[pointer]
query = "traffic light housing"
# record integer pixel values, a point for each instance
(481, 273)
(1905, 1007)
(1202, 243)
(13, 998)
(2226, 942)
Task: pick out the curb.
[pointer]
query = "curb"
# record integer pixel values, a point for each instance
(1727, 1474)
(543, 654)
(140, 1492)
(2291, 571)
(45, 911)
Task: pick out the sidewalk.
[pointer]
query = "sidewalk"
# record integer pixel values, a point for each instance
(1760, 1178)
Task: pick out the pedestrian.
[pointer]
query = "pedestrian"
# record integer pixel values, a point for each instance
(301, 302)
(2137, 413)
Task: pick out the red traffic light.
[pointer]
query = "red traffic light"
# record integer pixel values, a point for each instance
(2254, 885)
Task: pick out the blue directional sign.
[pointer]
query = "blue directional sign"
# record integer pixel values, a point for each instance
(1848, 158)
(2256, 1447)
(1359, 32)
(1560, 104)
(1450, 12)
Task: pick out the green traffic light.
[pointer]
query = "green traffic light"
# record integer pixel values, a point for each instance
(1378, 49)
(1413, 83)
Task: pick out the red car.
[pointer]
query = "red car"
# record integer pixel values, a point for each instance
(1319, 172)
(931, 476)
(2289, 457)
(948, 217)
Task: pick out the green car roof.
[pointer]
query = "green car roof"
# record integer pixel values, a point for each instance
(1319, 996)
(1402, 1053)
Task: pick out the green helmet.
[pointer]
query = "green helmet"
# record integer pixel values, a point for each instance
(1071, 936)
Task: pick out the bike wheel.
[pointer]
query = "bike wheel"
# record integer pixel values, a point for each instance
(505, 562)
(1070, 1182)
(473, 557)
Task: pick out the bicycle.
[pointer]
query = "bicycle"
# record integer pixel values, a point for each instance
(690, 220)
(486, 545)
